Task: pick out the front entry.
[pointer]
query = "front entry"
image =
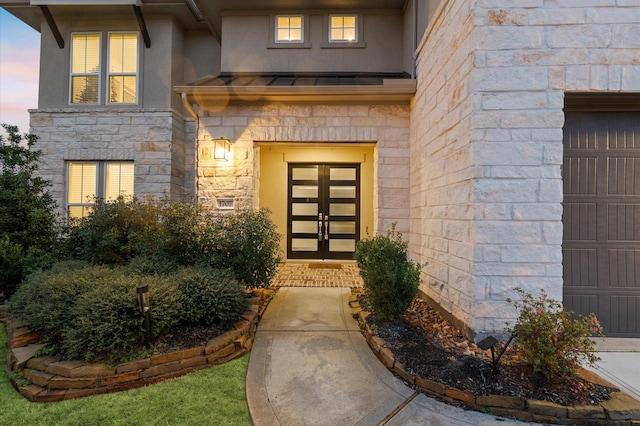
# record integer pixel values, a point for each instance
(323, 213)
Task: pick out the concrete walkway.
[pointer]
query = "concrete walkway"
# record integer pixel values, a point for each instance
(310, 365)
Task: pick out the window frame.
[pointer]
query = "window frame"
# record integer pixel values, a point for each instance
(109, 73)
(358, 43)
(100, 186)
(98, 73)
(273, 42)
(289, 28)
(331, 28)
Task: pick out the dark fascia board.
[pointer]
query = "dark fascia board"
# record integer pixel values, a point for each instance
(611, 101)
(399, 91)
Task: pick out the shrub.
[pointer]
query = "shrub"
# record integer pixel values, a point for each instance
(390, 278)
(210, 296)
(116, 232)
(548, 339)
(92, 312)
(246, 243)
(27, 209)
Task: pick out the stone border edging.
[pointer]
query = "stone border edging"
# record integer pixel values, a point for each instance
(50, 380)
(621, 409)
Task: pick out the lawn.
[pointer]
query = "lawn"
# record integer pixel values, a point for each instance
(212, 396)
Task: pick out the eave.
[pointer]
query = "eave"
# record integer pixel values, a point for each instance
(215, 97)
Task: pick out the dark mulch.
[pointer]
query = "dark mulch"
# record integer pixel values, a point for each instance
(186, 337)
(431, 348)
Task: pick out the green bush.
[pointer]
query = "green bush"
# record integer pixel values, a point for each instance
(116, 232)
(210, 296)
(390, 278)
(91, 312)
(548, 339)
(169, 235)
(27, 210)
(247, 244)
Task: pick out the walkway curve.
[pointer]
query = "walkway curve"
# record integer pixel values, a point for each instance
(310, 365)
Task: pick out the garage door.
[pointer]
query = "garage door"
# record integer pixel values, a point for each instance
(601, 219)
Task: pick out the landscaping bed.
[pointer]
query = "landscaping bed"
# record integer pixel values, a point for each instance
(434, 358)
(47, 379)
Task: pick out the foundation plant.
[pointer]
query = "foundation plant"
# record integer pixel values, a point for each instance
(390, 278)
(552, 340)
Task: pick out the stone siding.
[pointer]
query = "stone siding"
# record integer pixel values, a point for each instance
(487, 125)
(156, 140)
(388, 126)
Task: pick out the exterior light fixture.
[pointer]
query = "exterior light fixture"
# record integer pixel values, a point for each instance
(143, 302)
(221, 149)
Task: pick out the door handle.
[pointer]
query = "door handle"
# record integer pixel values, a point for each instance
(326, 227)
(319, 226)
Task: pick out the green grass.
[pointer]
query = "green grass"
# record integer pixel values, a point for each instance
(212, 396)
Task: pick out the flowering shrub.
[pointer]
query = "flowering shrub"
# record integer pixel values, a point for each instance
(550, 340)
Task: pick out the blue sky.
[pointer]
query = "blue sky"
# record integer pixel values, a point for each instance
(19, 66)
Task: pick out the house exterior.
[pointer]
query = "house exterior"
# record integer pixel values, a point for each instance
(502, 138)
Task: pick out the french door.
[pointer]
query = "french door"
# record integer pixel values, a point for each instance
(323, 218)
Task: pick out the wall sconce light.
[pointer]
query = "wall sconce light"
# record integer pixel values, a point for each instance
(221, 149)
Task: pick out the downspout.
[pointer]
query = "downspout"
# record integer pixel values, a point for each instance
(194, 114)
(415, 39)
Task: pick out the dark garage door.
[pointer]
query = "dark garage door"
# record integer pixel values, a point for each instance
(601, 219)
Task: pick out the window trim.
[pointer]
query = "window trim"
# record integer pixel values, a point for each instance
(327, 43)
(109, 74)
(101, 182)
(273, 42)
(98, 74)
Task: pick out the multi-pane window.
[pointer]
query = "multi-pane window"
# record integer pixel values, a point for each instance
(85, 68)
(123, 68)
(88, 181)
(87, 86)
(343, 28)
(289, 29)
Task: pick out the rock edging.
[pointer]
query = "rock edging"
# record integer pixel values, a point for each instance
(43, 379)
(621, 409)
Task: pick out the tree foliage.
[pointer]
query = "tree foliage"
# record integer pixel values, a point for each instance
(28, 222)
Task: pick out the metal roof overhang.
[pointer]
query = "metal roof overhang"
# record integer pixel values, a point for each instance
(216, 97)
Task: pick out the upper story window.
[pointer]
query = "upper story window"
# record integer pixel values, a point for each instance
(87, 65)
(85, 68)
(289, 29)
(343, 28)
(123, 68)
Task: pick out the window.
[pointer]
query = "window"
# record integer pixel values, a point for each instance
(85, 68)
(123, 68)
(88, 181)
(289, 29)
(343, 28)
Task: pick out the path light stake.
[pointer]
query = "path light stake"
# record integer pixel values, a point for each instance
(489, 343)
(143, 302)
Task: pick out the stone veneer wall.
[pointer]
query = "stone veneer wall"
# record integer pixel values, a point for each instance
(156, 140)
(388, 126)
(487, 123)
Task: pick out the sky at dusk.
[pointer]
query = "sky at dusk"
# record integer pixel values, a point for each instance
(19, 66)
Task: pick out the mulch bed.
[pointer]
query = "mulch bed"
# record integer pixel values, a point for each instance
(431, 348)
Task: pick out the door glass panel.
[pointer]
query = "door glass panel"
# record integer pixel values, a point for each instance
(304, 227)
(304, 209)
(304, 244)
(342, 245)
(342, 227)
(342, 191)
(341, 209)
(304, 173)
(304, 191)
(342, 174)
